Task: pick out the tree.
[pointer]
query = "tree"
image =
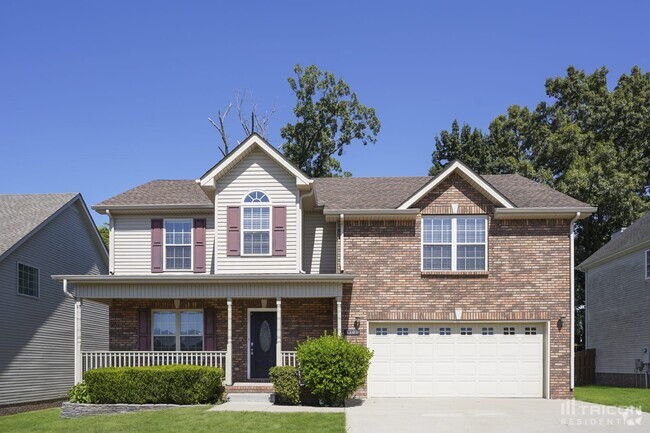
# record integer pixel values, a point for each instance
(588, 141)
(105, 233)
(329, 117)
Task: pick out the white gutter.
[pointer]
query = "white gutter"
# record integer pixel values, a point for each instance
(65, 289)
(500, 213)
(342, 254)
(573, 296)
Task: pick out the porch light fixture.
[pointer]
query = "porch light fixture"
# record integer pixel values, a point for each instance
(177, 303)
(560, 322)
(357, 323)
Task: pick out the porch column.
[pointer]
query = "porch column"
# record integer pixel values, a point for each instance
(338, 315)
(78, 361)
(278, 343)
(229, 345)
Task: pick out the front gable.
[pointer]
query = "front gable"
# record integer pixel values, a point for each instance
(454, 195)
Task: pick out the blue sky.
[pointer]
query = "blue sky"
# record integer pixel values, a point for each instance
(98, 97)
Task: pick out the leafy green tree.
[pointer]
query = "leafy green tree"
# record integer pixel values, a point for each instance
(329, 117)
(587, 141)
(104, 232)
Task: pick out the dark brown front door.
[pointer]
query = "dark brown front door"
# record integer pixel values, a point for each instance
(262, 345)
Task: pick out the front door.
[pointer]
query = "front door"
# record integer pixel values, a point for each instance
(262, 345)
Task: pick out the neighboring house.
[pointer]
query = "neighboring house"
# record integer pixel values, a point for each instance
(617, 302)
(42, 235)
(456, 282)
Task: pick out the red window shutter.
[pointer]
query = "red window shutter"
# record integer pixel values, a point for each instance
(279, 230)
(156, 246)
(233, 220)
(209, 339)
(199, 245)
(144, 329)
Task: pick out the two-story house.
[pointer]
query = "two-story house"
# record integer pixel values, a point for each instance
(461, 284)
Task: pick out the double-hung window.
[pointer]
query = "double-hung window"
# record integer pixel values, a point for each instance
(178, 330)
(454, 243)
(256, 227)
(28, 281)
(178, 245)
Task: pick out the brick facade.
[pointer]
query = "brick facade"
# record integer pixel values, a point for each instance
(528, 275)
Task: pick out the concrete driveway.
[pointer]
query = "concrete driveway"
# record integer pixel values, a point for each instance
(439, 415)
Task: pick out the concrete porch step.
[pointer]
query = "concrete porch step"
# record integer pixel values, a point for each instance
(250, 397)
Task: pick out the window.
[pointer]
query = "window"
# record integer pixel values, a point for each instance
(465, 331)
(402, 331)
(423, 331)
(454, 243)
(28, 281)
(178, 245)
(647, 265)
(381, 331)
(530, 330)
(487, 331)
(256, 224)
(445, 331)
(178, 330)
(509, 331)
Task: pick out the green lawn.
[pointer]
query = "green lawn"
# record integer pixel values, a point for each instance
(194, 420)
(611, 396)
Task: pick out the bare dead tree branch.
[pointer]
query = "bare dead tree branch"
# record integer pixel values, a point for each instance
(221, 127)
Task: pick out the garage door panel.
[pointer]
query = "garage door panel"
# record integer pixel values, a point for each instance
(455, 365)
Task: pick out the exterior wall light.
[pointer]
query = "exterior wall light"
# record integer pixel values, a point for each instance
(560, 323)
(357, 323)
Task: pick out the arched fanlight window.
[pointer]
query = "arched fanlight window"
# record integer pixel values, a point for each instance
(256, 197)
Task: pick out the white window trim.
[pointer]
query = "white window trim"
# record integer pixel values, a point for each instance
(191, 221)
(647, 262)
(38, 281)
(454, 244)
(178, 328)
(270, 229)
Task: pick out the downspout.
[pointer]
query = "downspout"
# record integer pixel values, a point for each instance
(342, 254)
(573, 296)
(111, 243)
(65, 289)
(300, 242)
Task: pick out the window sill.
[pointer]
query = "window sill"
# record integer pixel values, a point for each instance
(455, 273)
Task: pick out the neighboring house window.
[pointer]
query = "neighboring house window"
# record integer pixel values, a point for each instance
(647, 265)
(28, 281)
(256, 227)
(454, 243)
(178, 330)
(178, 245)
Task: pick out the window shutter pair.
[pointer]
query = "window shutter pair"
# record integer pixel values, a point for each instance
(144, 330)
(199, 246)
(278, 232)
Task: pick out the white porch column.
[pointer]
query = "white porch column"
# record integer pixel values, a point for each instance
(229, 345)
(278, 343)
(78, 361)
(338, 316)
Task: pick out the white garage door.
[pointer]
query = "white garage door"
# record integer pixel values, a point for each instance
(456, 360)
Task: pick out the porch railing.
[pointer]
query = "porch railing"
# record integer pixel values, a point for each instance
(92, 360)
(289, 358)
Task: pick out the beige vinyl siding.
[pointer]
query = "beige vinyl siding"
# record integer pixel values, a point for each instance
(319, 244)
(132, 244)
(257, 172)
(617, 320)
(36, 359)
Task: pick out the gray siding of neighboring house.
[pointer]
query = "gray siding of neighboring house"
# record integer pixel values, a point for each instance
(36, 359)
(617, 316)
(132, 242)
(319, 244)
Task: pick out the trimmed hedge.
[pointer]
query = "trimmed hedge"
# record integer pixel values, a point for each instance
(332, 368)
(165, 384)
(286, 384)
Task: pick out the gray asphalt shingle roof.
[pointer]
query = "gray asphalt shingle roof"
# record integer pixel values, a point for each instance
(348, 193)
(20, 214)
(637, 233)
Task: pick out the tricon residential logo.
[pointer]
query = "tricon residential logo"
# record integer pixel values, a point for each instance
(597, 415)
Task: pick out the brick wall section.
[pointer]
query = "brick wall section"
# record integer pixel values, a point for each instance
(301, 318)
(528, 274)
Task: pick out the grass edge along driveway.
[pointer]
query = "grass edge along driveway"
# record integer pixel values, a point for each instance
(193, 419)
(613, 396)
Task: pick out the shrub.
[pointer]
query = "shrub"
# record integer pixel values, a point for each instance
(165, 384)
(286, 384)
(79, 393)
(332, 368)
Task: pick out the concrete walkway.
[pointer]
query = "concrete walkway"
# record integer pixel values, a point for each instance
(270, 407)
(384, 415)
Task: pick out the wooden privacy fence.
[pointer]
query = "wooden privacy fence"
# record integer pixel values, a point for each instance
(585, 365)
